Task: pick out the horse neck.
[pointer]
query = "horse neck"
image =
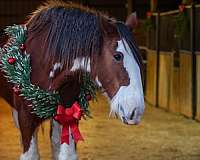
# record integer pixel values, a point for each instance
(40, 73)
(39, 69)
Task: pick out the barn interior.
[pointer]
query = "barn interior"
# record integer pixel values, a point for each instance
(168, 35)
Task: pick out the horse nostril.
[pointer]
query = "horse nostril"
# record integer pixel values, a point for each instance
(133, 114)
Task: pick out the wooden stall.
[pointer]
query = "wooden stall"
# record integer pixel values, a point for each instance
(198, 86)
(166, 60)
(198, 61)
(164, 79)
(174, 93)
(175, 87)
(169, 81)
(150, 93)
(176, 70)
(165, 64)
(185, 92)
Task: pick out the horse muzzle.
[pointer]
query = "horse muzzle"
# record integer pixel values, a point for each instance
(134, 117)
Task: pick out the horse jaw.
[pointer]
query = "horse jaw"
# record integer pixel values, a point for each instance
(128, 102)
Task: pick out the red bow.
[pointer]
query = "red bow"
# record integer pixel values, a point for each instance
(68, 118)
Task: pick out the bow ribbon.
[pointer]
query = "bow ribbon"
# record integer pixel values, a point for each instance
(68, 118)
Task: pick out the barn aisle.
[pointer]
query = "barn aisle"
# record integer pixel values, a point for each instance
(160, 136)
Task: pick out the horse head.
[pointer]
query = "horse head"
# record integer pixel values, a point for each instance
(118, 72)
(65, 41)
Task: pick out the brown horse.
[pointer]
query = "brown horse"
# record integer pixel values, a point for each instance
(63, 41)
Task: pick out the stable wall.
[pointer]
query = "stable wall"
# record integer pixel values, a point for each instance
(174, 93)
(164, 79)
(198, 86)
(175, 82)
(175, 64)
(186, 83)
(150, 92)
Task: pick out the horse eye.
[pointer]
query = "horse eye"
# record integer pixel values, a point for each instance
(118, 56)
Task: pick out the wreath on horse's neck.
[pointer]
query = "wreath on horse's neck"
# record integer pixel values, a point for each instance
(15, 63)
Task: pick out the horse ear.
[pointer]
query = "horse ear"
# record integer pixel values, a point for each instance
(132, 21)
(108, 28)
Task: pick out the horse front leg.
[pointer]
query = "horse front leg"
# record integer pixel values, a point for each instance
(27, 127)
(55, 139)
(61, 151)
(31, 153)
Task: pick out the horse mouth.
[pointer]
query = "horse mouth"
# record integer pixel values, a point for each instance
(134, 121)
(134, 118)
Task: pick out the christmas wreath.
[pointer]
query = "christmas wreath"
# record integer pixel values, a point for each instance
(182, 21)
(15, 63)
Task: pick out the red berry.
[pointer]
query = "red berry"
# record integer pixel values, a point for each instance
(88, 97)
(22, 47)
(16, 90)
(181, 7)
(11, 60)
(149, 14)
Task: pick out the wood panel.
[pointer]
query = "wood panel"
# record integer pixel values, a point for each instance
(198, 87)
(150, 94)
(164, 80)
(185, 84)
(174, 97)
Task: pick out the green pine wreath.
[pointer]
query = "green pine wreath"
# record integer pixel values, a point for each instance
(15, 63)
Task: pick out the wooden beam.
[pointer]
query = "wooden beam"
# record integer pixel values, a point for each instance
(129, 7)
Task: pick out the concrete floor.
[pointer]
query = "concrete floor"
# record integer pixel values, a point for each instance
(160, 136)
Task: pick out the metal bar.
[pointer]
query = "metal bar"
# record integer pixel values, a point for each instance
(175, 11)
(158, 56)
(194, 70)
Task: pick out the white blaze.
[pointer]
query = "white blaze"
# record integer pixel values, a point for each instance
(129, 98)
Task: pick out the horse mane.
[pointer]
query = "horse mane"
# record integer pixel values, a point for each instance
(71, 31)
(126, 34)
